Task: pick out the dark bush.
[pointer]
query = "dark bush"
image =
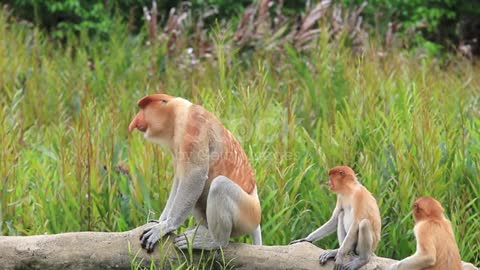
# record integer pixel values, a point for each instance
(446, 23)
(59, 17)
(94, 16)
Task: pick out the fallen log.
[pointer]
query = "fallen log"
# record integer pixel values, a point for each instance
(118, 250)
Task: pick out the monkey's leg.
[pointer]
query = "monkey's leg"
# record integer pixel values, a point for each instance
(257, 236)
(341, 233)
(230, 212)
(364, 246)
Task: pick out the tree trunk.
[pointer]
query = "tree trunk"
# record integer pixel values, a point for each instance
(98, 250)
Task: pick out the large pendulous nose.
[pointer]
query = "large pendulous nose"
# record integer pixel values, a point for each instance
(138, 122)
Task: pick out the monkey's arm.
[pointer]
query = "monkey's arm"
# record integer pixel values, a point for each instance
(324, 230)
(189, 189)
(424, 256)
(417, 261)
(171, 198)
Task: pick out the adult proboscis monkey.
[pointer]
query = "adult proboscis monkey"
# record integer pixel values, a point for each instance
(213, 177)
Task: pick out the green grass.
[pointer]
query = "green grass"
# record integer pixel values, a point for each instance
(408, 126)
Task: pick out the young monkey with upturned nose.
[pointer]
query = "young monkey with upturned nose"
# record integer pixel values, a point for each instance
(436, 245)
(356, 218)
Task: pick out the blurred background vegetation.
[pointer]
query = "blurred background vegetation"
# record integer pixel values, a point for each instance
(385, 87)
(435, 25)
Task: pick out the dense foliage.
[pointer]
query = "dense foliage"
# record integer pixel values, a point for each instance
(406, 125)
(433, 24)
(93, 16)
(430, 23)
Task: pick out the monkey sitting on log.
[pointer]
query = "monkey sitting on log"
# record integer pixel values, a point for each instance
(213, 177)
(356, 218)
(436, 245)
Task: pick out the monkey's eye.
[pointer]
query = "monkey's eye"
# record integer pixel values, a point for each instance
(164, 101)
(342, 173)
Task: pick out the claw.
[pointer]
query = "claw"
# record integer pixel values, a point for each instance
(144, 233)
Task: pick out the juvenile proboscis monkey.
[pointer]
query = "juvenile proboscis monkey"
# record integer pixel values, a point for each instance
(436, 245)
(356, 218)
(213, 178)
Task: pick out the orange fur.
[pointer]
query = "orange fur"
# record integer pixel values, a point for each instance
(250, 214)
(196, 134)
(435, 235)
(233, 163)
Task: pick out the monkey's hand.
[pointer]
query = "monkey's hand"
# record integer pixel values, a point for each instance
(299, 241)
(151, 235)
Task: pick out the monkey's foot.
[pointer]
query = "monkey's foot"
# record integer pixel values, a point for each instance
(355, 264)
(327, 255)
(193, 229)
(347, 266)
(197, 238)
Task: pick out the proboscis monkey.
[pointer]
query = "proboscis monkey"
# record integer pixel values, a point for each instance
(213, 178)
(436, 245)
(356, 218)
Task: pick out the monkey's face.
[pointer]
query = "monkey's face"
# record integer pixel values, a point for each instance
(335, 181)
(156, 118)
(426, 207)
(339, 178)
